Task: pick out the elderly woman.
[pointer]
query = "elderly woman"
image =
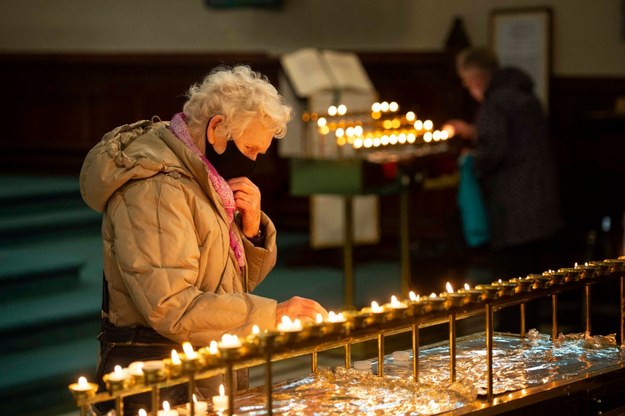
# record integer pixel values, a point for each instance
(185, 240)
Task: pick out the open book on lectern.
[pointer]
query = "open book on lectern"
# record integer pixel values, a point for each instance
(313, 70)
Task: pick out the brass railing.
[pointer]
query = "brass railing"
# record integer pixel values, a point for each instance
(366, 325)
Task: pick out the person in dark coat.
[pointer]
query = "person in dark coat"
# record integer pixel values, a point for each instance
(513, 161)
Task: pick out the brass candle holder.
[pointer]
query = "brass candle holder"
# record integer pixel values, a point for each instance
(117, 380)
(358, 319)
(490, 291)
(540, 281)
(473, 294)
(173, 366)
(211, 354)
(396, 309)
(588, 271)
(507, 288)
(603, 267)
(435, 303)
(555, 277)
(572, 273)
(83, 390)
(153, 372)
(523, 284)
(454, 299)
(377, 314)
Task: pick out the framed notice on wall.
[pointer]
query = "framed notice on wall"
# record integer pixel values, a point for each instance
(522, 38)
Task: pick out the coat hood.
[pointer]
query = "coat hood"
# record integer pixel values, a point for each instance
(510, 78)
(130, 152)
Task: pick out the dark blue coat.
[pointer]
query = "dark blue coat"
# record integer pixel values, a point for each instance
(514, 162)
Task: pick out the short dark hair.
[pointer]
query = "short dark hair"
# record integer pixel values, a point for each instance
(480, 58)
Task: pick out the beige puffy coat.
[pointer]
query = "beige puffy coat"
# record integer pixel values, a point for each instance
(167, 257)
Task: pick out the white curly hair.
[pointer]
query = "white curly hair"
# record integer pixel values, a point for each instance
(239, 94)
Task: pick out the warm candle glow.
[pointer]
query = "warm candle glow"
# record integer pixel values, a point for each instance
(230, 341)
(82, 383)
(212, 348)
(255, 330)
(188, 350)
(499, 281)
(396, 303)
(432, 295)
(142, 412)
(467, 287)
(175, 358)
(375, 307)
(222, 392)
(336, 317)
(412, 296)
(166, 406)
(449, 288)
(319, 318)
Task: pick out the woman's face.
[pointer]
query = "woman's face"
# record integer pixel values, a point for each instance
(255, 139)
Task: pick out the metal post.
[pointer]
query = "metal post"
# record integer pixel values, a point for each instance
(155, 400)
(348, 265)
(489, 351)
(230, 386)
(587, 307)
(554, 317)
(313, 362)
(269, 381)
(622, 310)
(191, 387)
(119, 406)
(404, 234)
(415, 352)
(380, 355)
(523, 320)
(452, 348)
(348, 355)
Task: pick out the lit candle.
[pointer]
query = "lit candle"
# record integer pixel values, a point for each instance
(335, 317)
(83, 389)
(286, 325)
(375, 308)
(434, 302)
(229, 341)
(454, 299)
(167, 410)
(220, 403)
(173, 364)
(116, 380)
(135, 369)
(319, 318)
(473, 294)
(201, 408)
(416, 304)
(189, 353)
(190, 359)
(395, 304)
(153, 371)
(142, 412)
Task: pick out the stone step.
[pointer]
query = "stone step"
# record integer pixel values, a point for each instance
(28, 324)
(23, 193)
(37, 380)
(16, 229)
(28, 272)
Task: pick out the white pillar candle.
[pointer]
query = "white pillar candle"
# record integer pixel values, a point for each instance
(220, 402)
(167, 411)
(201, 408)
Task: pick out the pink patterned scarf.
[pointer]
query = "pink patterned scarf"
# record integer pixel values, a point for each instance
(179, 128)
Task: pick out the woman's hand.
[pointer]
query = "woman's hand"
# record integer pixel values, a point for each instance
(302, 308)
(247, 202)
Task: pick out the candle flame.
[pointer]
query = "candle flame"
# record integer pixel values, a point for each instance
(118, 370)
(166, 406)
(255, 330)
(187, 348)
(142, 412)
(575, 264)
(297, 324)
(467, 287)
(432, 295)
(319, 318)
(222, 392)
(175, 358)
(449, 288)
(499, 281)
(394, 300)
(375, 307)
(82, 382)
(212, 348)
(194, 399)
(412, 296)
(286, 320)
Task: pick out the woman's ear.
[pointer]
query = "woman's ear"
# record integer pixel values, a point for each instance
(213, 133)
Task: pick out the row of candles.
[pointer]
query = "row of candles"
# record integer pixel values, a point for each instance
(381, 127)
(289, 331)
